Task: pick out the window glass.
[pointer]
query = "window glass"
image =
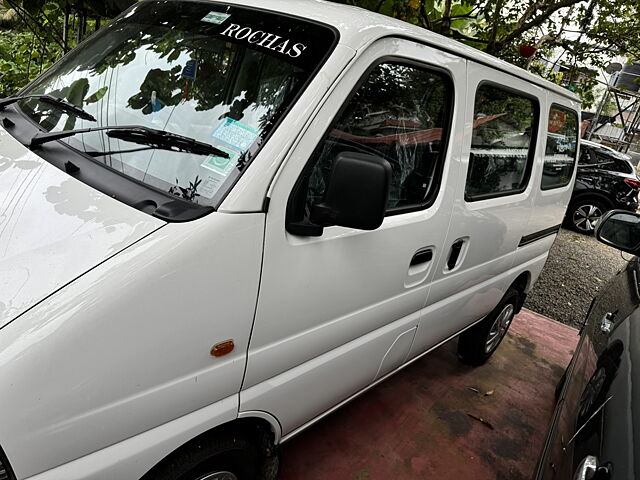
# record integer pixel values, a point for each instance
(604, 160)
(399, 113)
(501, 141)
(223, 75)
(560, 154)
(587, 157)
(607, 161)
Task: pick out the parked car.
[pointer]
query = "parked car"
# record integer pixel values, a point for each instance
(596, 425)
(606, 180)
(222, 221)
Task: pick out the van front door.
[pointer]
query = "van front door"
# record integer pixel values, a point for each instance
(339, 310)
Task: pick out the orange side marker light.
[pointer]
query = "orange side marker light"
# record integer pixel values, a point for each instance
(222, 349)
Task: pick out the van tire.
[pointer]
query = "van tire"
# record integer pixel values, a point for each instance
(478, 343)
(203, 458)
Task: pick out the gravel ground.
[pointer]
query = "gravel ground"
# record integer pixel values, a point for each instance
(577, 268)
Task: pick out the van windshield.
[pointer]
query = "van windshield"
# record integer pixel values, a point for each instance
(219, 74)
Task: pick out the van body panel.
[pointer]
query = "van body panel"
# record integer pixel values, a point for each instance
(346, 285)
(53, 228)
(308, 390)
(138, 357)
(132, 458)
(452, 314)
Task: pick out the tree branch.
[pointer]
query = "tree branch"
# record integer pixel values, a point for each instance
(425, 16)
(445, 26)
(550, 9)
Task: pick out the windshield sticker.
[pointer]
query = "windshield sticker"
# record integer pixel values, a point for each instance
(235, 134)
(216, 18)
(222, 165)
(264, 39)
(210, 185)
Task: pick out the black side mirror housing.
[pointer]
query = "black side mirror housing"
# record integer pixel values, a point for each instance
(357, 192)
(620, 229)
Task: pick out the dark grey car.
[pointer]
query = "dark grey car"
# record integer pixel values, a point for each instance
(595, 432)
(605, 180)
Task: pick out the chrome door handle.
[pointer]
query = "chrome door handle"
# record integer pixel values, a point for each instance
(606, 324)
(589, 469)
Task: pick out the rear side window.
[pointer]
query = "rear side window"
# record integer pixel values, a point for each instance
(560, 153)
(603, 160)
(400, 113)
(502, 145)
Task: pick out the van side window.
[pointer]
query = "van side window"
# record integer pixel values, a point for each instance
(503, 140)
(400, 113)
(562, 145)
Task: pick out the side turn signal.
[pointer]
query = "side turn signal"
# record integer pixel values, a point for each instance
(222, 349)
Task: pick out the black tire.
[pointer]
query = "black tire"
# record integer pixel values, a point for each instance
(584, 213)
(478, 343)
(227, 457)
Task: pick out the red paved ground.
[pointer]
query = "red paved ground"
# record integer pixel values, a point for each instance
(416, 424)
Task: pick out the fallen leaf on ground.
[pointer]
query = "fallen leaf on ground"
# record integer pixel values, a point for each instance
(481, 420)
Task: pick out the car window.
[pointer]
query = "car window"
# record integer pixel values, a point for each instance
(587, 156)
(608, 162)
(562, 145)
(602, 159)
(223, 75)
(400, 113)
(501, 146)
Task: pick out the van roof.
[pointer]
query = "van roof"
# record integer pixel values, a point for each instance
(359, 27)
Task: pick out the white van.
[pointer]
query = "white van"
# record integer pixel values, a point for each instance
(221, 221)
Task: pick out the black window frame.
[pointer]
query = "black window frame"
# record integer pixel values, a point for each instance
(535, 128)
(557, 106)
(296, 201)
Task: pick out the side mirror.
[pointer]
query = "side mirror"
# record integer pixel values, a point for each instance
(356, 194)
(620, 229)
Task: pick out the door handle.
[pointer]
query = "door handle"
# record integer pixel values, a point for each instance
(423, 255)
(454, 255)
(590, 469)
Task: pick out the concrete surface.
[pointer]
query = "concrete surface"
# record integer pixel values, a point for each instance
(417, 424)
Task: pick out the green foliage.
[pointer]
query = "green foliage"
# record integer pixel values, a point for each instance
(22, 59)
(103, 8)
(588, 32)
(585, 33)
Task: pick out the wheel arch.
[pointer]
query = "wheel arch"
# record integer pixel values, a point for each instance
(256, 427)
(591, 194)
(522, 284)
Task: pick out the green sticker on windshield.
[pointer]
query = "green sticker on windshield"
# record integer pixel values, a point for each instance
(222, 165)
(236, 135)
(216, 18)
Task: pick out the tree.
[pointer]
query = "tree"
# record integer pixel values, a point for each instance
(582, 33)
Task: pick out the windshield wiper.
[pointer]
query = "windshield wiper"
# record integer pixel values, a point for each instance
(158, 139)
(57, 102)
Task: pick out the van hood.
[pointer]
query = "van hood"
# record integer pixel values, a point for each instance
(53, 228)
